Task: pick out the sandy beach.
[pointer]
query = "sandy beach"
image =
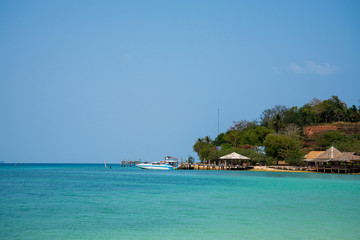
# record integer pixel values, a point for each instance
(269, 169)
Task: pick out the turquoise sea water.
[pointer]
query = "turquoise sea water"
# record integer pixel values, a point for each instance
(84, 201)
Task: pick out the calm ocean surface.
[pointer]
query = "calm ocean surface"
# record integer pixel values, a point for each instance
(86, 201)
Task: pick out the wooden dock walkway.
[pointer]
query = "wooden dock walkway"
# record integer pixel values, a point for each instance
(185, 166)
(341, 169)
(129, 163)
(336, 169)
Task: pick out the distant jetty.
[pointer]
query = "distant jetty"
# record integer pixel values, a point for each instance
(186, 166)
(129, 163)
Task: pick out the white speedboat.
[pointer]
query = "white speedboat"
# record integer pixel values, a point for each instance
(167, 164)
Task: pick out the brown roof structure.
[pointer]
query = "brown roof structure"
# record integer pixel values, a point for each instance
(346, 156)
(333, 155)
(313, 154)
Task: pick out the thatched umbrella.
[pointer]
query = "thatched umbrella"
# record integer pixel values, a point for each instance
(234, 156)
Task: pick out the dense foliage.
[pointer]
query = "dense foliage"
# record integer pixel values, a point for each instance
(341, 141)
(280, 132)
(312, 113)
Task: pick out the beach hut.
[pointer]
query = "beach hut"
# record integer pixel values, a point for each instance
(232, 157)
(334, 160)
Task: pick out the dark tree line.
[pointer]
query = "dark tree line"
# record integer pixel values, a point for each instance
(312, 113)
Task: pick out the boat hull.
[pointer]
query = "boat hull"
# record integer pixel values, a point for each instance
(155, 167)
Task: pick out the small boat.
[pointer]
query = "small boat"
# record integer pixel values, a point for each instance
(169, 163)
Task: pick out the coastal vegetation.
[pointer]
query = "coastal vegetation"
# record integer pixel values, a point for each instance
(279, 134)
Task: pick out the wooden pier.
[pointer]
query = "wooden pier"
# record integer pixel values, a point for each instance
(336, 168)
(129, 163)
(232, 161)
(185, 166)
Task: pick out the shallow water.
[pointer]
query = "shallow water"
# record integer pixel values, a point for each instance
(86, 201)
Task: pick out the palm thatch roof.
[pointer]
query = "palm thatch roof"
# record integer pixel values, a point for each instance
(234, 156)
(333, 155)
(348, 156)
(313, 154)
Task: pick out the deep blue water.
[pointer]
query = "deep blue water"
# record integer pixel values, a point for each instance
(86, 201)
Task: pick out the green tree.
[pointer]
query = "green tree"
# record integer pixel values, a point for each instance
(293, 116)
(233, 137)
(331, 110)
(207, 139)
(315, 108)
(330, 138)
(268, 116)
(340, 140)
(219, 140)
(294, 157)
(243, 125)
(205, 149)
(255, 136)
(277, 123)
(277, 146)
(190, 159)
(350, 145)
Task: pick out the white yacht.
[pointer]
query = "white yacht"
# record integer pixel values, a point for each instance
(170, 163)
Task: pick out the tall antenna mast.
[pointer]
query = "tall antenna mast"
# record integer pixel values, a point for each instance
(218, 120)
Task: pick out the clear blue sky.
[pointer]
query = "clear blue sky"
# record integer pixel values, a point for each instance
(88, 81)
